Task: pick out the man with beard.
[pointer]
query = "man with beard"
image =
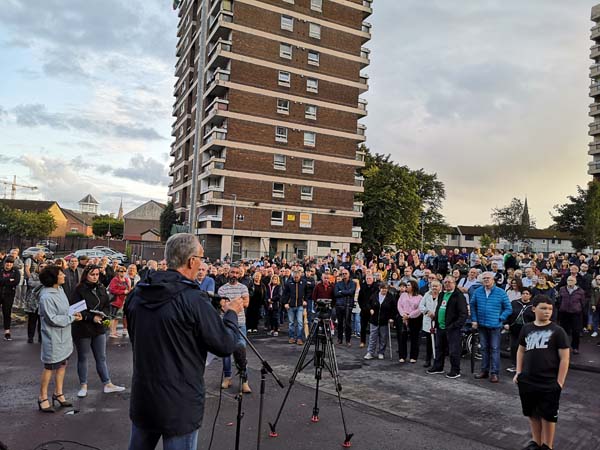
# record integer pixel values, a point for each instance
(233, 289)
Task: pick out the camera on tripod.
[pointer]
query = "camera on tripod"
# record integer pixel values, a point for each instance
(323, 307)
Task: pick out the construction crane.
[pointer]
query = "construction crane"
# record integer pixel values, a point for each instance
(14, 186)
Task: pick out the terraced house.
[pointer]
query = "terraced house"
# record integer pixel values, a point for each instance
(266, 138)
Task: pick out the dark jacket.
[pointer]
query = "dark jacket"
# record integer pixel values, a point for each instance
(571, 302)
(383, 312)
(72, 278)
(344, 293)
(172, 325)
(456, 310)
(365, 294)
(522, 313)
(273, 297)
(9, 279)
(294, 293)
(96, 298)
(322, 291)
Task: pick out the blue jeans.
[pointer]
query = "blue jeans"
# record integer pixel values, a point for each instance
(596, 319)
(296, 319)
(98, 346)
(356, 323)
(147, 440)
(489, 338)
(310, 308)
(227, 372)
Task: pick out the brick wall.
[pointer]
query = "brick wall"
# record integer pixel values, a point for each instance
(264, 77)
(263, 106)
(255, 133)
(332, 12)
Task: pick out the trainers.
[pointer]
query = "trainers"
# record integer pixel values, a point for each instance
(82, 393)
(595, 334)
(291, 341)
(532, 445)
(434, 371)
(246, 388)
(453, 375)
(368, 356)
(299, 342)
(512, 369)
(110, 388)
(7, 337)
(380, 356)
(275, 334)
(361, 345)
(226, 384)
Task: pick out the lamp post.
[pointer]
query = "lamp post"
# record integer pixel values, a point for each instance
(233, 227)
(108, 235)
(422, 233)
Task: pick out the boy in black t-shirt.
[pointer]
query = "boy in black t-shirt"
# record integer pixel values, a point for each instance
(542, 365)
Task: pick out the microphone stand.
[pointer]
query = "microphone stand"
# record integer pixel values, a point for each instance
(266, 368)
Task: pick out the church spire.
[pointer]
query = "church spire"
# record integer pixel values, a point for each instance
(525, 215)
(120, 214)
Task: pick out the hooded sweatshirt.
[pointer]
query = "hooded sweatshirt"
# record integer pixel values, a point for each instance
(172, 325)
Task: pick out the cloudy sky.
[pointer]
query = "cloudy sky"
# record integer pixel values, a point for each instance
(492, 95)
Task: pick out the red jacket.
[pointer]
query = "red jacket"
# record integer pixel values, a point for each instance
(320, 291)
(118, 289)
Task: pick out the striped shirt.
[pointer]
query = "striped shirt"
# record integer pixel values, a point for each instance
(232, 291)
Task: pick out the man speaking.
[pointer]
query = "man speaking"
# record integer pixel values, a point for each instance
(172, 325)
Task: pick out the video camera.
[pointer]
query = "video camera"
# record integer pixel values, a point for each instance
(215, 300)
(323, 307)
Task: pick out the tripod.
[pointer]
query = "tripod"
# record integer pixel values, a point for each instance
(266, 368)
(324, 358)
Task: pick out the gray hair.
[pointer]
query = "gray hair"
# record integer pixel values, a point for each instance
(435, 283)
(179, 249)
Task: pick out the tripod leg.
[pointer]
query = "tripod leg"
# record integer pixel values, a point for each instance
(297, 369)
(338, 386)
(263, 379)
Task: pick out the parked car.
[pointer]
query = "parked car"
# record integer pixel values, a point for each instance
(52, 245)
(89, 252)
(31, 251)
(113, 254)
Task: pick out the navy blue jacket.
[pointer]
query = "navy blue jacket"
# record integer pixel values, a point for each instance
(294, 293)
(344, 293)
(172, 325)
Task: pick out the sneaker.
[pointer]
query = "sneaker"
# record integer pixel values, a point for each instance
(82, 393)
(361, 345)
(575, 351)
(532, 446)
(401, 360)
(512, 369)
(434, 371)
(275, 334)
(453, 375)
(368, 356)
(226, 384)
(545, 447)
(7, 337)
(291, 341)
(124, 334)
(299, 342)
(595, 334)
(380, 356)
(110, 388)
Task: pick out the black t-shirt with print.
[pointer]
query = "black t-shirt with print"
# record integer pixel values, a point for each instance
(541, 360)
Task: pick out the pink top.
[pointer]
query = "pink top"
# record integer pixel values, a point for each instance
(409, 305)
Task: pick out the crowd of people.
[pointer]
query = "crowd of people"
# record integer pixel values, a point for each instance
(432, 296)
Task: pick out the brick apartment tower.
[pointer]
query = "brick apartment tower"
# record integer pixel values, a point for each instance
(267, 108)
(594, 165)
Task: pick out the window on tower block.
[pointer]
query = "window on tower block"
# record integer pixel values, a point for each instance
(310, 112)
(285, 51)
(279, 162)
(284, 78)
(281, 134)
(287, 23)
(310, 139)
(277, 218)
(283, 106)
(312, 85)
(314, 30)
(313, 58)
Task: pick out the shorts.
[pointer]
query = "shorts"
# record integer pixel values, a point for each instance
(540, 404)
(55, 366)
(114, 311)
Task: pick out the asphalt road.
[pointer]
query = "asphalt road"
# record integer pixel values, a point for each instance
(386, 405)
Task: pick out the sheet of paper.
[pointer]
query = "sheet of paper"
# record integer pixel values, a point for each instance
(77, 307)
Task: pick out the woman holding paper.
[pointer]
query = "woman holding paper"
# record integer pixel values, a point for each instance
(90, 333)
(57, 344)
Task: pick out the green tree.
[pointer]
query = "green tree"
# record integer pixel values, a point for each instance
(486, 241)
(168, 218)
(103, 223)
(395, 201)
(26, 224)
(508, 222)
(591, 224)
(570, 217)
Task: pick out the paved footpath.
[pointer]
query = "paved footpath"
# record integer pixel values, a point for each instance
(387, 406)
